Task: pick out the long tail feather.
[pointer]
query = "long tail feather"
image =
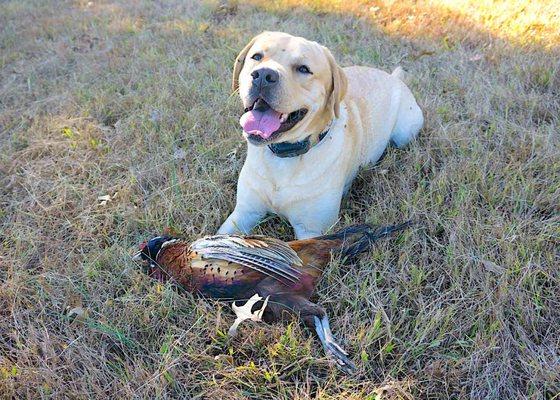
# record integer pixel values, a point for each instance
(369, 238)
(347, 232)
(359, 238)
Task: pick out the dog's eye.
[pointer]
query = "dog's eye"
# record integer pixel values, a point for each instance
(304, 69)
(257, 56)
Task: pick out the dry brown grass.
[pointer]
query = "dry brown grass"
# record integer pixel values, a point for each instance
(131, 99)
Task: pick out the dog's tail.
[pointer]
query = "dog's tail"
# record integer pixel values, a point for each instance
(357, 239)
(399, 73)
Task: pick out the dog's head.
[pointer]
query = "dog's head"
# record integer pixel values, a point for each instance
(290, 87)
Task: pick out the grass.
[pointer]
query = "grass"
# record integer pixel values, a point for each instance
(131, 100)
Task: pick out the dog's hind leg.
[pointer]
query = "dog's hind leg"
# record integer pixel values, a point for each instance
(409, 117)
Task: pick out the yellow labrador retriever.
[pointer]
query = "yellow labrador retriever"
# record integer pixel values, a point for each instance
(310, 125)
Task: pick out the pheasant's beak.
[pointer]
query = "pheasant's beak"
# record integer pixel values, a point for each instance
(138, 256)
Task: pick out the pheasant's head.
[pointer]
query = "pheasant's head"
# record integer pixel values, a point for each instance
(148, 253)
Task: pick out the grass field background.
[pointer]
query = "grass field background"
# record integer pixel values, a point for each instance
(131, 100)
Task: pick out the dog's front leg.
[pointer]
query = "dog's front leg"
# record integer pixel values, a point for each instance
(302, 231)
(249, 210)
(315, 217)
(241, 221)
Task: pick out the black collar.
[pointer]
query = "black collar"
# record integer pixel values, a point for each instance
(285, 149)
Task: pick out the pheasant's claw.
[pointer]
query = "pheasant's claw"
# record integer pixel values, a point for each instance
(342, 361)
(332, 348)
(244, 312)
(329, 336)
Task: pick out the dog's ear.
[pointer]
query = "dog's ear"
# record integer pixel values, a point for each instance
(238, 64)
(339, 84)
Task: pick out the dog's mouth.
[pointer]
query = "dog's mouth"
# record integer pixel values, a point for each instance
(262, 123)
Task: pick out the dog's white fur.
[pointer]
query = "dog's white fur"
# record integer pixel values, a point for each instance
(368, 109)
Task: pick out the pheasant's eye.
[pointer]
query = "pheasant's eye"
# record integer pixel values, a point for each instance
(304, 69)
(257, 56)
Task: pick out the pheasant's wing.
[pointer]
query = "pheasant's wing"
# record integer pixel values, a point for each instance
(266, 255)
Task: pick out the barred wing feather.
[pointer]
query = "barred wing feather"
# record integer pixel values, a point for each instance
(269, 256)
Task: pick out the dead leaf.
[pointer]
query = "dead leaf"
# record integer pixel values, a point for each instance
(244, 312)
(103, 200)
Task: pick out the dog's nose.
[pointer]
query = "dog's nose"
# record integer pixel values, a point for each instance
(264, 77)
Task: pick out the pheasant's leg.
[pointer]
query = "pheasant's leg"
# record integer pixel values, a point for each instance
(313, 316)
(332, 348)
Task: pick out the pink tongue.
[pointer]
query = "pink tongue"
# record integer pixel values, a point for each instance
(260, 123)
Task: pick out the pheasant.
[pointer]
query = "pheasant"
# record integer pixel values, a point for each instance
(231, 267)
